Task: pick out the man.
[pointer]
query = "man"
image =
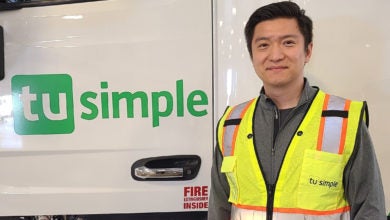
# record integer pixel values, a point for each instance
(294, 152)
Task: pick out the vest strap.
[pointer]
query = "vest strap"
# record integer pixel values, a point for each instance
(235, 121)
(335, 113)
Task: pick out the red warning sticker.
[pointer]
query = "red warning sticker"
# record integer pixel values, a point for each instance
(196, 197)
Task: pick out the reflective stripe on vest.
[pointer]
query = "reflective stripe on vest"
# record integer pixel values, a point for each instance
(333, 125)
(231, 125)
(246, 214)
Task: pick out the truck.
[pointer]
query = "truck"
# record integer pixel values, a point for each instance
(108, 108)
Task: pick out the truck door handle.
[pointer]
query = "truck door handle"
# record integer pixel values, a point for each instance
(166, 168)
(144, 172)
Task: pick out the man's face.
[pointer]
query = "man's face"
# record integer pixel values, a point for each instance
(278, 52)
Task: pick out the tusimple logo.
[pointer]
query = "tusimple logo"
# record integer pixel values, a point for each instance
(43, 104)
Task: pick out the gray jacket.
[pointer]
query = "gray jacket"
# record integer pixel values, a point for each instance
(362, 180)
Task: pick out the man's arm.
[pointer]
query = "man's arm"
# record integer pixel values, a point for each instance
(219, 207)
(363, 183)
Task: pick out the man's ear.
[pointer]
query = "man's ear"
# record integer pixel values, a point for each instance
(309, 50)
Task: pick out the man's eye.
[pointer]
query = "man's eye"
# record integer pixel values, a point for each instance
(289, 43)
(262, 46)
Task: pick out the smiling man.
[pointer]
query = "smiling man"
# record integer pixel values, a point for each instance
(278, 55)
(295, 152)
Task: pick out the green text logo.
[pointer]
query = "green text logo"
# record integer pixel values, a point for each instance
(43, 104)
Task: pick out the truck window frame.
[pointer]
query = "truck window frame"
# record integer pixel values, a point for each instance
(19, 4)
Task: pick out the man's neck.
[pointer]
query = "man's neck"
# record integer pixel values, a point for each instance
(287, 96)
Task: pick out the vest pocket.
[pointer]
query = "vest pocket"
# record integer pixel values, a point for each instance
(320, 185)
(229, 169)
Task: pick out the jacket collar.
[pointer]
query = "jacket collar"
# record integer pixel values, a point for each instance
(307, 95)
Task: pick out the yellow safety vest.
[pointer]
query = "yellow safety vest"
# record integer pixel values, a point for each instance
(310, 181)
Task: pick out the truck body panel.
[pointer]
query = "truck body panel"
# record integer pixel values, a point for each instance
(123, 81)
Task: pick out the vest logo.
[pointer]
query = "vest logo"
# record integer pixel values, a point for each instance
(322, 182)
(43, 104)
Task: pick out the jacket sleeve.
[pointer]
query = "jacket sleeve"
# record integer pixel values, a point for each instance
(219, 207)
(363, 184)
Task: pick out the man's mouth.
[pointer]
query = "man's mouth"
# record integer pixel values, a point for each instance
(276, 68)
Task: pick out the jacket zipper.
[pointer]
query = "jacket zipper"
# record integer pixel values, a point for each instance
(276, 121)
(271, 187)
(270, 200)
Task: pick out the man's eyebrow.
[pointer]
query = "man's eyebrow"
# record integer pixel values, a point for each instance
(290, 36)
(260, 39)
(280, 37)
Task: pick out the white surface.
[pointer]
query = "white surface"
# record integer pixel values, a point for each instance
(134, 46)
(350, 59)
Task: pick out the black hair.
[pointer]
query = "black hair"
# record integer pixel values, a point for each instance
(284, 9)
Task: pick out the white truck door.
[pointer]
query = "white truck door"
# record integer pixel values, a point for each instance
(106, 107)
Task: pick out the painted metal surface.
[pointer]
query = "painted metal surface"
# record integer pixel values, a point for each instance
(158, 54)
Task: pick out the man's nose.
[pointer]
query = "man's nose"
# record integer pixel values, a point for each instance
(276, 53)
